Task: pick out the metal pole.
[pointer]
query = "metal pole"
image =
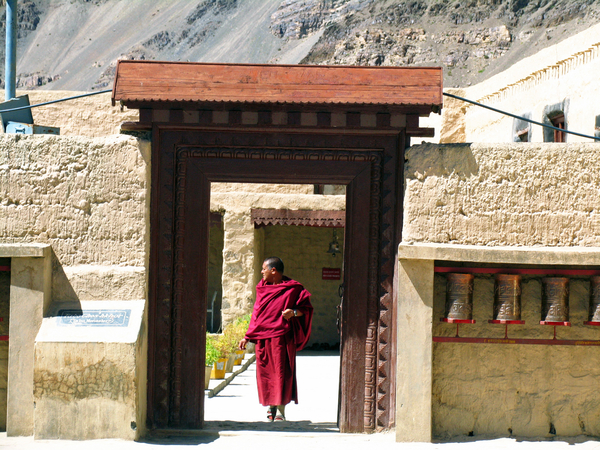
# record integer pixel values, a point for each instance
(10, 79)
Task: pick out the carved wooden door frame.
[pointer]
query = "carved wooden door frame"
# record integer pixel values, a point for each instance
(185, 160)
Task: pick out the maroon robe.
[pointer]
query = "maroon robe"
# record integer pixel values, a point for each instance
(277, 339)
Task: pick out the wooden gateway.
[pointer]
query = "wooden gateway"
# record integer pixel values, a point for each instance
(275, 124)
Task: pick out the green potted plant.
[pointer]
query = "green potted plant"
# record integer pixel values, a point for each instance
(222, 350)
(240, 326)
(230, 344)
(212, 356)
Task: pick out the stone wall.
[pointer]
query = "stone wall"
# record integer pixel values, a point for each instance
(91, 116)
(503, 194)
(87, 198)
(508, 195)
(260, 188)
(86, 391)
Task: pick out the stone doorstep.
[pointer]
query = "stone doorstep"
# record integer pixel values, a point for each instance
(216, 386)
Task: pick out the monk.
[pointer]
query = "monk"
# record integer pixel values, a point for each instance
(280, 326)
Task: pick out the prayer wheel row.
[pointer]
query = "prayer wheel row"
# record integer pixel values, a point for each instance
(507, 298)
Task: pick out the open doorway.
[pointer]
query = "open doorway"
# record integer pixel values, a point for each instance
(187, 162)
(306, 251)
(311, 244)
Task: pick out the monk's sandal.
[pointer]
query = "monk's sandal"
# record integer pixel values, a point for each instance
(271, 413)
(279, 417)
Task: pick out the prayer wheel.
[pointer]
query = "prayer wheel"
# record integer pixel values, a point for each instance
(507, 297)
(555, 299)
(594, 313)
(459, 296)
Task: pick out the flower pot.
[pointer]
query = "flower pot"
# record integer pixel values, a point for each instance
(218, 371)
(239, 357)
(229, 364)
(207, 372)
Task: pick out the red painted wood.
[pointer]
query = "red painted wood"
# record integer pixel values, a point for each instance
(555, 324)
(594, 324)
(155, 81)
(510, 341)
(4, 268)
(4, 338)
(507, 322)
(306, 218)
(444, 319)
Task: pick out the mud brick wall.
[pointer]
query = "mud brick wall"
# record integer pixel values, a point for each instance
(518, 195)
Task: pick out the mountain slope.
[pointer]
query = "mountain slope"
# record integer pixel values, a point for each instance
(74, 44)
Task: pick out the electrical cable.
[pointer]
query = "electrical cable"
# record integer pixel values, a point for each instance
(564, 130)
(55, 101)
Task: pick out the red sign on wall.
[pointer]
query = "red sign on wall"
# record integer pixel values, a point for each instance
(330, 273)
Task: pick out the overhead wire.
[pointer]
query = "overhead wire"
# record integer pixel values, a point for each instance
(55, 101)
(564, 130)
(506, 113)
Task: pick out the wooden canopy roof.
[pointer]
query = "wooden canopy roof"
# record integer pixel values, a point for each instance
(140, 83)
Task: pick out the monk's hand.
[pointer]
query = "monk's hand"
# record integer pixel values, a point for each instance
(242, 344)
(287, 313)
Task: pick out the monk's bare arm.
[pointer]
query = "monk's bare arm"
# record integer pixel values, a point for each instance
(289, 313)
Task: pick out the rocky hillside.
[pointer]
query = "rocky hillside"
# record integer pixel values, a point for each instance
(74, 44)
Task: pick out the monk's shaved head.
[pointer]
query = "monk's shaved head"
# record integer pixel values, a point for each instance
(273, 262)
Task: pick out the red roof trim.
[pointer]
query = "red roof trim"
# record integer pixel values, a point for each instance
(155, 81)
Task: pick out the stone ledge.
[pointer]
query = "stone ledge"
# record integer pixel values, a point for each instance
(221, 384)
(501, 255)
(24, 250)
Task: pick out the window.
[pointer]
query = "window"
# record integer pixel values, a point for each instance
(522, 129)
(556, 115)
(559, 122)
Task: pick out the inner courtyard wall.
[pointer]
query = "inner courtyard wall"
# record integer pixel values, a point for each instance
(243, 247)
(304, 253)
(520, 195)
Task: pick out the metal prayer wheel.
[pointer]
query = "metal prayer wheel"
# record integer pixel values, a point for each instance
(555, 299)
(507, 297)
(594, 313)
(459, 296)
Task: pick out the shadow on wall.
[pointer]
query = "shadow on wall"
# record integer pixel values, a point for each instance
(424, 160)
(62, 290)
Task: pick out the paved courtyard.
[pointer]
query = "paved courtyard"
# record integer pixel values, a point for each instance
(234, 419)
